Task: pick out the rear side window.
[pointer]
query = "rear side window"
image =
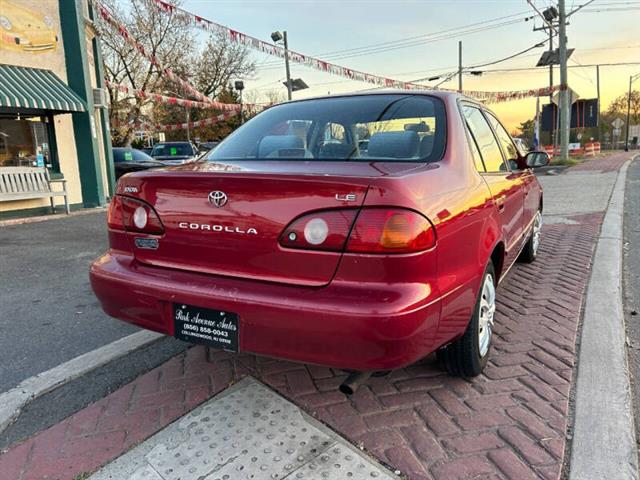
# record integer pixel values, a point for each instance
(397, 127)
(477, 158)
(508, 147)
(485, 139)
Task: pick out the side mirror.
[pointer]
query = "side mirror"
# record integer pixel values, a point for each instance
(537, 159)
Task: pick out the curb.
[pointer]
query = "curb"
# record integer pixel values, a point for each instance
(604, 438)
(53, 216)
(15, 400)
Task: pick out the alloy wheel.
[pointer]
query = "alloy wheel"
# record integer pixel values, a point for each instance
(486, 315)
(537, 228)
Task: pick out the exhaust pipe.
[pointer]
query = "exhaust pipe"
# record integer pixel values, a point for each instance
(353, 381)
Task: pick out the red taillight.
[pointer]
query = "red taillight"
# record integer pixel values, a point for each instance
(319, 231)
(133, 215)
(379, 230)
(114, 217)
(376, 230)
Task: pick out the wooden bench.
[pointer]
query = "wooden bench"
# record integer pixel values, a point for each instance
(22, 183)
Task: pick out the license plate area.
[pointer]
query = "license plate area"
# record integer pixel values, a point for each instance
(205, 326)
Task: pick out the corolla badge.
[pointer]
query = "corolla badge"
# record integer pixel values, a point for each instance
(218, 198)
(216, 228)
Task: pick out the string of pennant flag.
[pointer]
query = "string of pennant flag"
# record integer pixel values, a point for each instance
(156, 97)
(331, 68)
(176, 126)
(124, 33)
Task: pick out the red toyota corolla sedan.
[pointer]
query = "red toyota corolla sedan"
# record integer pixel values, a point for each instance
(361, 232)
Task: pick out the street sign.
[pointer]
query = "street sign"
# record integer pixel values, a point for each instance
(617, 132)
(573, 97)
(617, 123)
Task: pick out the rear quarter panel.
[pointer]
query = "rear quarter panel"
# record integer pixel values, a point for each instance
(459, 204)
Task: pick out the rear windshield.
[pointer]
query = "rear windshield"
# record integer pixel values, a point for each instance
(172, 150)
(358, 128)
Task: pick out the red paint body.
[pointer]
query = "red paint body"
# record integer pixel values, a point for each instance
(345, 310)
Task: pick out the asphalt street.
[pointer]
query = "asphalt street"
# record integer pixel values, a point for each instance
(48, 313)
(631, 280)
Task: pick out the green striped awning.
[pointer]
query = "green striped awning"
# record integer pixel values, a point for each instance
(33, 88)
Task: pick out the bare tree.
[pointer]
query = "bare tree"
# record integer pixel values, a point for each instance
(618, 107)
(174, 43)
(219, 63)
(275, 96)
(165, 36)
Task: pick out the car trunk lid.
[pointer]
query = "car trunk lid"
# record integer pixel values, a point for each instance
(239, 237)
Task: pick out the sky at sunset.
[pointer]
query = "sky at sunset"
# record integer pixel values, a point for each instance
(605, 31)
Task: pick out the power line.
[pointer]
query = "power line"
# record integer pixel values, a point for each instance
(615, 9)
(540, 69)
(580, 7)
(492, 62)
(419, 39)
(414, 44)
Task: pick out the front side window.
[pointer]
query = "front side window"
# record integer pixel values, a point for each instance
(395, 127)
(484, 138)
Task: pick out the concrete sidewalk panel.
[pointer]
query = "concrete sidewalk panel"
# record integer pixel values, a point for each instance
(604, 444)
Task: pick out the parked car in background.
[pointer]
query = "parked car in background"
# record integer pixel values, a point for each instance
(127, 160)
(174, 153)
(289, 241)
(207, 146)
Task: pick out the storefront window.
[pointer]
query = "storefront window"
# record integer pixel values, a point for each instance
(24, 142)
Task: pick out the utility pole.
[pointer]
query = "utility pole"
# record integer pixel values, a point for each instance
(286, 65)
(548, 15)
(598, 111)
(239, 86)
(460, 66)
(626, 142)
(188, 120)
(565, 107)
(551, 84)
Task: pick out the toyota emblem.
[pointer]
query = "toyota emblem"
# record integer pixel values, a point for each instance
(218, 198)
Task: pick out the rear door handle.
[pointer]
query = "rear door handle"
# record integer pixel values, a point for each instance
(500, 202)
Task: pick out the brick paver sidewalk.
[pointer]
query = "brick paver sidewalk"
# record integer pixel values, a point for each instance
(510, 422)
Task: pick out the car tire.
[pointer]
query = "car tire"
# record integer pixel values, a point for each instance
(467, 356)
(530, 250)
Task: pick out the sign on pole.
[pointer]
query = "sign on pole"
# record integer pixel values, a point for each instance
(617, 123)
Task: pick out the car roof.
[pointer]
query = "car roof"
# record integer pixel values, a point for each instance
(442, 94)
(173, 143)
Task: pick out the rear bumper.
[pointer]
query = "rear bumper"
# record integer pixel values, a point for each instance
(356, 326)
